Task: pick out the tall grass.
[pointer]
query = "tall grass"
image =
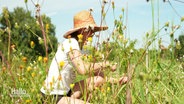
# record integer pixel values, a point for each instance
(162, 82)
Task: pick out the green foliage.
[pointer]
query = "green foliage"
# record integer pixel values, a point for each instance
(161, 82)
(181, 50)
(24, 30)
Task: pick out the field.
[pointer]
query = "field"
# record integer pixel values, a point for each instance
(156, 75)
(162, 81)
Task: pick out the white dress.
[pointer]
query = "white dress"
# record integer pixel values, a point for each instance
(59, 79)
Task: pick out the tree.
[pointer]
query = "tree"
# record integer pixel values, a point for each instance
(21, 30)
(181, 40)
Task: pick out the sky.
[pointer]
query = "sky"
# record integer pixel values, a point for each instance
(137, 18)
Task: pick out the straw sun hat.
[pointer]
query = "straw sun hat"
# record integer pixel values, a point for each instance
(84, 20)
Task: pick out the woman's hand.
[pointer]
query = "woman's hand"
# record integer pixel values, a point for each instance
(110, 65)
(123, 80)
(113, 67)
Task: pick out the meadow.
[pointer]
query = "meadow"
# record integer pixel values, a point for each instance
(155, 76)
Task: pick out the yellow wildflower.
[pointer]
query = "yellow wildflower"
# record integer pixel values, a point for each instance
(61, 64)
(47, 28)
(28, 101)
(90, 39)
(45, 59)
(90, 57)
(32, 44)
(39, 58)
(80, 37)
(29, 68)
(24, 59)
(33, 74)
(108, 89)
(72, 85)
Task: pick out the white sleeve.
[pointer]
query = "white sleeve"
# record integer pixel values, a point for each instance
(69, 44)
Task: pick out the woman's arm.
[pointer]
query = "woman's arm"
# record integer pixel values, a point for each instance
(86, 67)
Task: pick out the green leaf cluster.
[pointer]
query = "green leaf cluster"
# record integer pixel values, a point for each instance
(19, 27)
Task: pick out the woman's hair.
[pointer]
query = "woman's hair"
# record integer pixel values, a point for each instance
(75, 35)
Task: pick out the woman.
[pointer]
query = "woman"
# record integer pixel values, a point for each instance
(68, 60)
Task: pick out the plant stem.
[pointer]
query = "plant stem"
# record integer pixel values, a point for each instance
(42, 29)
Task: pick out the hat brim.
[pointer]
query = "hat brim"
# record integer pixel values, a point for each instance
(96, 29)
